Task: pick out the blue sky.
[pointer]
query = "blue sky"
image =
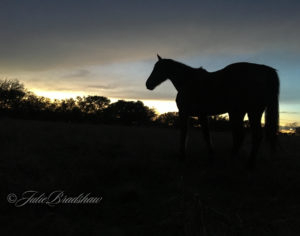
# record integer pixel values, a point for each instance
(66, 48)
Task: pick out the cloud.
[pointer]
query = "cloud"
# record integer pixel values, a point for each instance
(82, 73)
(289, 112)
(45, 36)
(102, 87)
(109, 47)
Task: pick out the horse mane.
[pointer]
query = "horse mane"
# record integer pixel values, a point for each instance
(202, 70)
(181, 65)
(202, 73)
(178, 64)
(194, 73)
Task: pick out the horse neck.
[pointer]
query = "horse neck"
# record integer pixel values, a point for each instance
(181, 75)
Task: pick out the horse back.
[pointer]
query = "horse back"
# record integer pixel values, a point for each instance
(239, 86)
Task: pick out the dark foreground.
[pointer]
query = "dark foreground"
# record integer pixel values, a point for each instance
(144, 190)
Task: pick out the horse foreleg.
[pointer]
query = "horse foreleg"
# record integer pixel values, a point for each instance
(206, 135)
(183, 135)
(255, 122)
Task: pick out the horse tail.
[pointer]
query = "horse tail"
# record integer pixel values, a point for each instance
(272, 110)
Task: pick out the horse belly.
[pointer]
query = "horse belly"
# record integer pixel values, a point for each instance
(195, 105)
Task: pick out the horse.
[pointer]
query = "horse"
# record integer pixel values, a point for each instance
(237, 89)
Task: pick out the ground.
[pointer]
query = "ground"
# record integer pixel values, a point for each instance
(145, 190)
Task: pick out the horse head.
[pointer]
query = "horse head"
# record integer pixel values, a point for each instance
(158, 75)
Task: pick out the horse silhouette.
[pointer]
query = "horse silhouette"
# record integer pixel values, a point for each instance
(237, 89)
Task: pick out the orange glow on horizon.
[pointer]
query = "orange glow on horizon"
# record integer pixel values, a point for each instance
(289, 131)
(160, 106)
(57, 94)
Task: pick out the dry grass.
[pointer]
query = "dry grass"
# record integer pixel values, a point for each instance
(145, 190)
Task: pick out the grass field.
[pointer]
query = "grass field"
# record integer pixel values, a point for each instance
(144, 189)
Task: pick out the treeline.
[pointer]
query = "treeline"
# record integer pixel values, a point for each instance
(18, 102)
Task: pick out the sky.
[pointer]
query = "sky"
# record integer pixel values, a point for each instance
(65, 48)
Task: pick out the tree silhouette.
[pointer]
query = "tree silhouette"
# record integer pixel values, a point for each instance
(31, 102)
(124, 112)
(32, 106)
(92, 104)
(219, 123)
(169, 119)
(11, 93)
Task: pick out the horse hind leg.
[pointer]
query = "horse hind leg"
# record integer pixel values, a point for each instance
(256, 129)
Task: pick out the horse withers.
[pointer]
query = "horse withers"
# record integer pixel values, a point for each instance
(237, 89)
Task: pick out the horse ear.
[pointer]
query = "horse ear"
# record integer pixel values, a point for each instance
(159, 58)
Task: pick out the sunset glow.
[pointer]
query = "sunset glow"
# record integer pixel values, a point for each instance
(108, 48)
(58, 94)
(162, 106)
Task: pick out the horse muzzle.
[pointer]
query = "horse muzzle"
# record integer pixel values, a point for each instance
(148, 86)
